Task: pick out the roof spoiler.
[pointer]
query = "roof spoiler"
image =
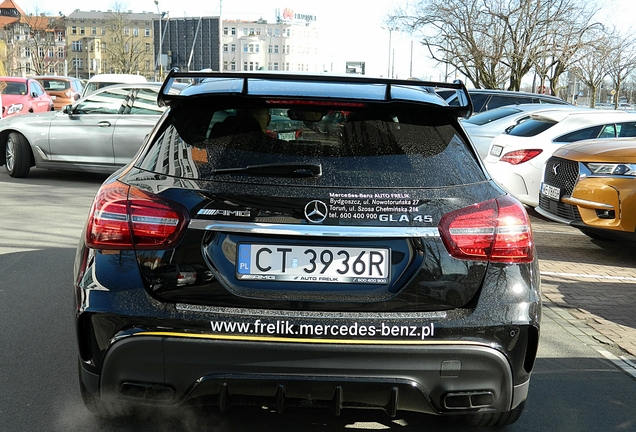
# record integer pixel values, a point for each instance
(463, 109)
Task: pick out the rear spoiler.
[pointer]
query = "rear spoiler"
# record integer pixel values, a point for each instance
(463, 109)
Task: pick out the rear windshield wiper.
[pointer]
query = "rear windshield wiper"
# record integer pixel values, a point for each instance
(281, 170)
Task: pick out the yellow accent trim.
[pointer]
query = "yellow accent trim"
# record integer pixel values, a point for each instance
(307, 340)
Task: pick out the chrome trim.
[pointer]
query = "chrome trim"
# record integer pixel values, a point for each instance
(586, 203)
(552, 216)
(42, 153)
(313, 230)
(298, 314)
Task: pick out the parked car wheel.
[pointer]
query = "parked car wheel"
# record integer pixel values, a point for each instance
(18, 155)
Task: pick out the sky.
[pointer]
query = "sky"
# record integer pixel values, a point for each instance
(352, 30)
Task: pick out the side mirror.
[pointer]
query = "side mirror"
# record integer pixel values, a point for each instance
(68, 109)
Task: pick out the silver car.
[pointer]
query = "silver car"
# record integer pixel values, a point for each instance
(99, 133)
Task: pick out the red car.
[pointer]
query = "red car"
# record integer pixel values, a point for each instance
(22, 96)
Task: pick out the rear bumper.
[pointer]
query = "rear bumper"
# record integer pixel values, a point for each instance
(434, 378)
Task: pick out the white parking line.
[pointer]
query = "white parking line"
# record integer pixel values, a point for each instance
(589, 276)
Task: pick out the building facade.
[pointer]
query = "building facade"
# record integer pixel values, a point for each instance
(110, 42)
(31, 44)
(86, 43)
(190, 44)
(289, 44)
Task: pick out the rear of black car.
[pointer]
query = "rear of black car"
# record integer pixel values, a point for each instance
(373, 265)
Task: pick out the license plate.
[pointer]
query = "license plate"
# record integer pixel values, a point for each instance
(313, 264)
(551, 191)
(496, 150)
(287, 136)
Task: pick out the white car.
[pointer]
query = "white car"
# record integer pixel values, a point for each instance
(516, 158)
(483, 127)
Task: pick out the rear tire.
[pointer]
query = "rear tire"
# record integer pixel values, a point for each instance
(17, 155)
(496, 419)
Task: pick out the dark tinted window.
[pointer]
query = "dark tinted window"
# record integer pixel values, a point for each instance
(479, 101)
(626, 129)
(492, 115)
(354, 148)
(497, 101)
(582, 134)
(531, 127)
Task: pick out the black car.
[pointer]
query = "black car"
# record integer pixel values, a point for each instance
(379, 268)
(487, 99)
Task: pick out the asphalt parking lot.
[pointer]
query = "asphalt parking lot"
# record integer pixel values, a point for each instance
(594, 281)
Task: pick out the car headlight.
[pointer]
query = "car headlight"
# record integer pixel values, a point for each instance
(15, 108)
(609, 169)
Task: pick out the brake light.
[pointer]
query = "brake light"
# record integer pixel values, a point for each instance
(520, 156)
(497, 231)
(124, 217)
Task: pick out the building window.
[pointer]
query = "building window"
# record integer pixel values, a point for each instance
(135, 32)
(147, 32)
(233, 66)
(275, 49)
(126, 31)
(234, 31)
(76, 46)
(233, 48)
(147, 47)
(225, 48)
(245, 31)
(270, 49)
(245, 48)
(103, 31)
(275, 66)
(225, 65)
(82, 30)
(77, 63)
(244, 66)
(73, 30)
(94, 30)
(225, 31)
(27, 52)
(60, 52)
(60, 36)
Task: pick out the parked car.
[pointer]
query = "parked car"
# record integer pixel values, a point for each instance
(591, 185)
(487, 99)
(62, 89)
(380, 268)
(483, 127)
(100, 133)
(517, 157)
(99, 81)
(23, 96)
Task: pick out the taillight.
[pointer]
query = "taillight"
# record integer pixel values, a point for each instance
(497, 230)
(520, 156)
(123, 217)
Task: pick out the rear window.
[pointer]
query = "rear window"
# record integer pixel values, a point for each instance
(54, 85)
(531, 127)
(354, 146)
(492, 115)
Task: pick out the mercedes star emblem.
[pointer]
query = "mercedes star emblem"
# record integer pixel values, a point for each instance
(316, 211)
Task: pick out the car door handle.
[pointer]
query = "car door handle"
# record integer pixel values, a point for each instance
(104, 124)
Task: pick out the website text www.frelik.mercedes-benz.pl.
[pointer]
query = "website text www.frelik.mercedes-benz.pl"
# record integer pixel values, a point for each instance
(287, 328)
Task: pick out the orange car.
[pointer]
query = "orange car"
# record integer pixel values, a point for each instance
(22, 96)
(591, 185)
(63, 89)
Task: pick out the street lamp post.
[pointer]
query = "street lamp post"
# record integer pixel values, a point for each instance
(160, 63)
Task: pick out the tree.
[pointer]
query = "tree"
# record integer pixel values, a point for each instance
(495, 43)
(621, 62)
(124, 50)
(591, 67)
